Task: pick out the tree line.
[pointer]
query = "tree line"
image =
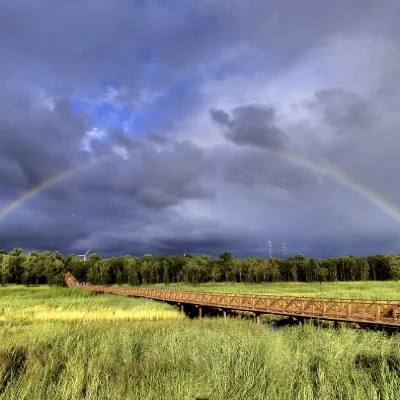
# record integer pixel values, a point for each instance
(49, 267)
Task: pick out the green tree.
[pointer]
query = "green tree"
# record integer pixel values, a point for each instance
(52, 268)
(394, 266)
(379, 267)
(148, 269)
(18, 258)
(30, 267)
(132, 267)
(362, 268)
(289, 270)
(6, 263)
(227, 265)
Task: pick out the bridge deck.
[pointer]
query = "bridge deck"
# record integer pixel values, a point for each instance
(380, 312)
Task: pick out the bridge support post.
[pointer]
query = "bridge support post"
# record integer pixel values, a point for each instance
(296, 321)
(200, 313)
(182, 307)
(258, 320)
(223, 312)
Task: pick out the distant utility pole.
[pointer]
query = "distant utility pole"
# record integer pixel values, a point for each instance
(270, 248)
(283, 249)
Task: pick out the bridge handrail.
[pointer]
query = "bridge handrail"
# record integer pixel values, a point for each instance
(274, 296)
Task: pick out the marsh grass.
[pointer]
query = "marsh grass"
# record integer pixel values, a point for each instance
(212, 359)
(166, 359)
(47, 304)
(376, 290)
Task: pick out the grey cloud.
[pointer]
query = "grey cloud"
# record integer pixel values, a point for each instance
(122, 139)
(41, 143)
(206, 245)
(97, 40)
(351, 119)
(253, 125)
(178, 171)
(365, 141)
(221, 117)
(154, 197)
(339, 246)
(74, 50)
(344, 110)
(38, 143)
(251, 169)
(119, 137)
(159, 139)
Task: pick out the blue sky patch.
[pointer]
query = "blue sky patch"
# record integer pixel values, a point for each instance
(173, 104)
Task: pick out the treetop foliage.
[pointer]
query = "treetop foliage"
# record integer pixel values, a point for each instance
(49, 267)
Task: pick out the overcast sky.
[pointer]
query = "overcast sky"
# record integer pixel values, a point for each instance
(196, 112)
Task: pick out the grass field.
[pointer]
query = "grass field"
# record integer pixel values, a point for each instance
(377, 290)
(47, 304)
(106, 357)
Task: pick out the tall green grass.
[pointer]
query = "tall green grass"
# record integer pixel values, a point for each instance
(377, 290)
(212, 359)
(182, 359)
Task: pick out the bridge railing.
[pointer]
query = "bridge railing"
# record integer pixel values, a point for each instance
(383, 312)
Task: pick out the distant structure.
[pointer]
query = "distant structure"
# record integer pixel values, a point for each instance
(184, 253)
(270, 248)
(84, 255)
(284, 250)
(69, 280)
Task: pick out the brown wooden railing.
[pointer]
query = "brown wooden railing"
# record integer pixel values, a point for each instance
(379, 312)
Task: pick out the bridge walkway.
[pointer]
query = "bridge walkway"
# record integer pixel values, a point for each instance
(373, 312)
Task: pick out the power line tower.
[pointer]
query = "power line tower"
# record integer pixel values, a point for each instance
(270, 248)
(284, 250)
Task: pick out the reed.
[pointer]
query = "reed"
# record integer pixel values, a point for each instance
(103, 358)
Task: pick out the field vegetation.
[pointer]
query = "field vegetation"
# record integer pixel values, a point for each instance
(18, 303)
(106, 357)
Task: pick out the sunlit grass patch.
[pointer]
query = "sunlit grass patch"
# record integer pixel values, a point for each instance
(105, 314)
(57, 304)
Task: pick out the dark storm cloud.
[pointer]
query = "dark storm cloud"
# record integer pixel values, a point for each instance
(93, 41)
(252, 125)
(340, 246)
(41, 143)
(207, 245)
(171, 194)
(153, 177)
(37, 144)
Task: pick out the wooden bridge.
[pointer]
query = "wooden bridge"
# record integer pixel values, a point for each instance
(382, 313)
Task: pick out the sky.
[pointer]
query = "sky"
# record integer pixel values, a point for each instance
(172, 126)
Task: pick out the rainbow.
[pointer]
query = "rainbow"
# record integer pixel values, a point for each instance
(319, 168)
(342, 178)
(8, 208)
